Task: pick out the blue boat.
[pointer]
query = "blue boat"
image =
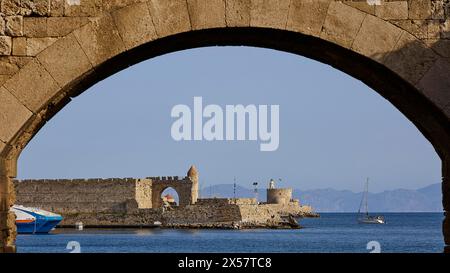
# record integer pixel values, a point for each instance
(34, 220)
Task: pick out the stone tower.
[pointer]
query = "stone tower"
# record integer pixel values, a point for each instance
(193, 175)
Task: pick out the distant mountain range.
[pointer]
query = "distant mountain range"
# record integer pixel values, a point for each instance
(427, 199)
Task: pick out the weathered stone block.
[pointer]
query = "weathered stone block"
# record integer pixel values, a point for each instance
(392, 10)
(36, 45)
(2, 146)
(32, 86)
(362, 6)
(35, 27)
(118, 4)
(442, 47)
(419, 9)
(7, 68)
(433, 29)
(10, 7)
(37, 7)
(418, 28)
(135, 24)
(238, 13)
(65, 60)
(5, 45)
(445, 29)
(61, 26)
(4, 78)
(100, 40)
(206, 13)
(57, 7)
(14, 25)
(12, 115)
(410, 58)
(269, 13)
(85, 8)
(2, 25)
(376, 38)
(437, 9)
(19, 46)
(16, 60)
(342, 23)
(307, 16)
(436, 83)
(170, 16)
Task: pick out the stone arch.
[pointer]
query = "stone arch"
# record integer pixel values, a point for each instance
(182, 188)
(173, 193)
(363, 42)
(157, 203)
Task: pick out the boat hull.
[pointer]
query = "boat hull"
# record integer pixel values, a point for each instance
(373, 221)
(35, 221)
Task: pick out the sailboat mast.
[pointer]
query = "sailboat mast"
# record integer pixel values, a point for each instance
(367, 196)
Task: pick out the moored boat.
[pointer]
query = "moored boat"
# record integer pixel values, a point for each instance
(365, 218)
(34, 220)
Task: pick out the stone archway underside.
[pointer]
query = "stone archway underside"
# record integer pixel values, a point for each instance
(51, 51)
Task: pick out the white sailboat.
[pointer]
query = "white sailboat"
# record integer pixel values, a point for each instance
(364, 217)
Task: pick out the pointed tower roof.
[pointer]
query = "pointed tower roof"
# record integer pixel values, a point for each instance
(192, 172)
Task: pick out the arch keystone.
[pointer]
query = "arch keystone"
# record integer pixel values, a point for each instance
(342, 24)
(65, 60)
(170, 16)
(206, 13)
(269, 13)
(135, 24)
(307, 16)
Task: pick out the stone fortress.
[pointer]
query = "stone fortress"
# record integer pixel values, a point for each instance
(134, 202)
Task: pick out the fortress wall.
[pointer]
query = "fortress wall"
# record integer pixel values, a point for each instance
(142, 217)
(226, 201)
(246, 201)
(270, 213)
(279, 196)
(213, 201)
(143, 193)
(202, 214)
(83, 195)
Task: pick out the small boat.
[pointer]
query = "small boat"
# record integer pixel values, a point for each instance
(365, 218)
(34, 220)
(371, 220)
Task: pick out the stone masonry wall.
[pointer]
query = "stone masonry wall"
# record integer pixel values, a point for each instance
(85, 195)
(226, 201)
(279, 196)
(143, 193)
(202, 214)
(220, 213)
(271, 214)
(29, 26)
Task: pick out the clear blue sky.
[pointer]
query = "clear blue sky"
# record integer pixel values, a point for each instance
(334, 130)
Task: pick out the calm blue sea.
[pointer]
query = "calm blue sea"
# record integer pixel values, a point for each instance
(332, 232)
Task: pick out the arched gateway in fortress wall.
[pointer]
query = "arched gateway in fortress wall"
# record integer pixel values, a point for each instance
(53, 50)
